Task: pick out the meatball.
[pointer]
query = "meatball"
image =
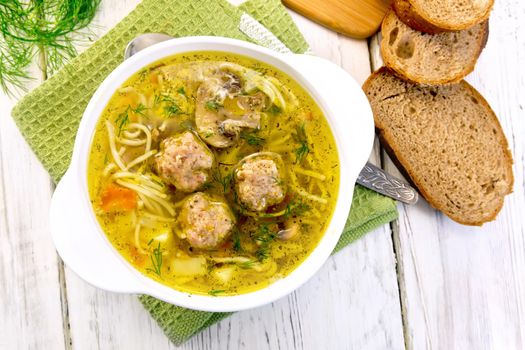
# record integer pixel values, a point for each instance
(205, 223)
(259, 181)
(184, 161)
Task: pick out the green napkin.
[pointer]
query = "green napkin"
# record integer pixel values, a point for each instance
(48, 117)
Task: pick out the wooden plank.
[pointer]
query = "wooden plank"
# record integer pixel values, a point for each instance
(30, 306)
(346, 285)
(356, 18)
(464, 287)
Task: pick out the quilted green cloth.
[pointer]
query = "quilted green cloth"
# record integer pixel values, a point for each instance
(48, 117)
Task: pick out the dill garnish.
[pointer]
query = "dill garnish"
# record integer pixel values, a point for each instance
(237, 247)
(215, 292)
(156, 261)
(225, 180)
(303, 149)
(295, 209)
(181, 91)
(274, 110)
(252, 138)
(43, 27)
(122, 120)
(139, 109)
(171, 108)
(213, 105)
(263, 237)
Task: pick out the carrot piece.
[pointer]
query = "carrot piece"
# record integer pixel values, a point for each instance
(117, 198)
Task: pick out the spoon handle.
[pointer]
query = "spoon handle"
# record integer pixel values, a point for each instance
(380, 181)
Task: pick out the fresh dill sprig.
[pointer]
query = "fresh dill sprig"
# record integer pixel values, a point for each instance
(122, 120)
(215, 292)
(295, 209)
(263, 237)
(46, 27)
(237, 246)
(213, 105)
(171, 108)
(303, 149)
(139, 109)
(225, 180)
(156, 261)
(252, 138)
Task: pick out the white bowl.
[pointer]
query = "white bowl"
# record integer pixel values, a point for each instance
(85, 248)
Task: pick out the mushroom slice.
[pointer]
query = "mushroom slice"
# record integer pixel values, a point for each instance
(222, 111)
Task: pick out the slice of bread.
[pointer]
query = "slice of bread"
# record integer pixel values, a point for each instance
(431, 58)
(448, 142)
(444, 15)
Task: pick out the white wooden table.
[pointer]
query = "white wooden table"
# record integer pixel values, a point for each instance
(422, 282)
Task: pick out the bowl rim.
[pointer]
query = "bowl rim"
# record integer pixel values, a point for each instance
(287, 63)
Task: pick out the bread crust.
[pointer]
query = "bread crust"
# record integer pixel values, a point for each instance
(408, 12)
(390, 61)
(411, 174)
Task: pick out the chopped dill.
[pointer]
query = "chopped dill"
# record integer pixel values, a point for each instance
(149, 242)
(156, 100)
(156, 261)
(274, 110)
(263, 237)
(246, 264)
(181, 91)
(139, 109)
(295, 209)
(122, 120)
(303, 149)
(172, 108)
(213, 105)
(215, 292)
(252, 138)
(225, 180)
(236, 237)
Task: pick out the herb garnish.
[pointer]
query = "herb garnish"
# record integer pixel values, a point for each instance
(39, 27)
(172, 108)
(263, 236)
(274, 110)
(213, 105)
(215, 292)
(122, 120)
(236, 237)
(181, 91)
(252, 138)
(156, 261)
(303, 149)
(225, 180)
(295, 209)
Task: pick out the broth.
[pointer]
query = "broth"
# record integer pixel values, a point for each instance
(213, 173)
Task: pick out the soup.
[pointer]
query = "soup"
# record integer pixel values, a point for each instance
(213, 173)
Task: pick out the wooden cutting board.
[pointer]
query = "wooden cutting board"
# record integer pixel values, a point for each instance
(356, 18)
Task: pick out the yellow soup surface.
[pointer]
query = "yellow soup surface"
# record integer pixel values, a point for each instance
(213, 173)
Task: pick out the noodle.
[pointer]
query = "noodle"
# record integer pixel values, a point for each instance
(112, 146)
(140, 159)
(310, 196)
(310, 173)
(137, 239)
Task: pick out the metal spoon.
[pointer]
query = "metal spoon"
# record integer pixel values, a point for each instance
(370, 177)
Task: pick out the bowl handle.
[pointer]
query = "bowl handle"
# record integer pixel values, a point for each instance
(337, 88)
(81, 247)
